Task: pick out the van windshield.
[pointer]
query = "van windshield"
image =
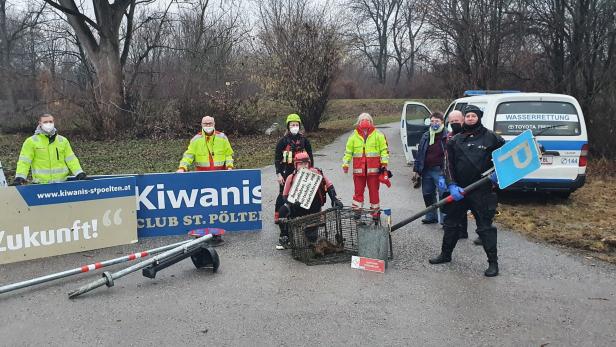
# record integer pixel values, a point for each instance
(416, 114)
(546, 118)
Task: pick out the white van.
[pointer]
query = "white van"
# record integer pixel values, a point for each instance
(558, 124)
(412, 125)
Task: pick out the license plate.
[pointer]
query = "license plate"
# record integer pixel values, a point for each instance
(546, 160)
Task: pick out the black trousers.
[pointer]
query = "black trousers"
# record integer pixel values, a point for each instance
(292, 211)
(482, 204)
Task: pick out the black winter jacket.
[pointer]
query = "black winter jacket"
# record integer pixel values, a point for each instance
(294, 143)
(469, 154)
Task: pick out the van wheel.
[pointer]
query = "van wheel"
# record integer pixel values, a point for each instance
(562, 195)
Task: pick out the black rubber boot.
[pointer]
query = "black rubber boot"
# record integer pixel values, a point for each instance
(440, 259)
(492, 269)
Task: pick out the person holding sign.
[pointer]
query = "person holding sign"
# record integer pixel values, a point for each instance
(368, 148)
(209, 150)
(48, 155)
(468, 156)
(290, 144)
(293, 209)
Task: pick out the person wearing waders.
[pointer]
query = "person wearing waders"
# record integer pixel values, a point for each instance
(456, 121)
(289, 210)
(290, 144)
(469, 154)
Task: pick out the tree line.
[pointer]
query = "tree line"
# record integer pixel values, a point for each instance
(153, 68)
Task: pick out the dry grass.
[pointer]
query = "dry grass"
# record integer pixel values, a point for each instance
(582, 221)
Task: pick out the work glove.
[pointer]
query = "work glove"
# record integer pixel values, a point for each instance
(180, 170)
(345, 169)
(81, 176)
(442, 186)
(456, 192)
(280, 179)
(336, 203)
(19, 181)
(494, 178)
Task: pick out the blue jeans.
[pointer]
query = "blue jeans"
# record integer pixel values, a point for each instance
(429, 189)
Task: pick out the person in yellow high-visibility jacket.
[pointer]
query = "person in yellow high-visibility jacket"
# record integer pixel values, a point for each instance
(368, 149)
(209, 150)
(48, 155)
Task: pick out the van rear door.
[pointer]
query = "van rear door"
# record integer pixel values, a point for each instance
(412, 126)
(559, 128)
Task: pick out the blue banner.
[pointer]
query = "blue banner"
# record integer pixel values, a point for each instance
(175, 203)
(75, 191)
(516, 159)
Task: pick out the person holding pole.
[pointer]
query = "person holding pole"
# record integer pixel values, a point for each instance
(469, 155)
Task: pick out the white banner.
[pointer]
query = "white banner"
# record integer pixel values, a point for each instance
(305, 186)
(2, 177)
(536, 117)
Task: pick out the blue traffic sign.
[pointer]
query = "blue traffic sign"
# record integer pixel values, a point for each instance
(516, 159)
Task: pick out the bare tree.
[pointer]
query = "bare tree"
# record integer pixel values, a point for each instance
(372, 21)
(300, 52)
(13, 28)
(408, 24)
(100, 40)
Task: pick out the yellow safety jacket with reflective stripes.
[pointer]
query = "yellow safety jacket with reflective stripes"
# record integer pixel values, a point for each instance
(49, 162)
(208, 153)
(368, 154)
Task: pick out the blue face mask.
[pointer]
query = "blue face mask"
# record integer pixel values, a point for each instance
(435, 126)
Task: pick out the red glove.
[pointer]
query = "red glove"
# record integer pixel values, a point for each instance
(383, 178)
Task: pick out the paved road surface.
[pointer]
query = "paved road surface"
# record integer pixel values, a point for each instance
(544, 295)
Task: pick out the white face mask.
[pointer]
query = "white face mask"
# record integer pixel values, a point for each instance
(47, 127)
(294, 130)
(208, 130)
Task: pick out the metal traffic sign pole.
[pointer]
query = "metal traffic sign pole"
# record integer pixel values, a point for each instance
(109, 278)
(87, 268)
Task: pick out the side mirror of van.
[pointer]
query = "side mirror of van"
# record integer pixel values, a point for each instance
(427, 121)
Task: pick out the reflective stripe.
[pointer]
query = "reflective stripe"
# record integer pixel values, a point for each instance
(196, 137)
(371, 170)
(373, 154)
(35, 138)
(348, 153)
(384, 158)
(202, 163)
(78, 172)
(49, 172)
(189, 156)
(20, 176)
(358, 155)
(221, 135)
(60, 138)
(25, 159)
(184, 164)
(69, 158)
(357, 203)
(230, 161)
(358, 171)
(219, 163)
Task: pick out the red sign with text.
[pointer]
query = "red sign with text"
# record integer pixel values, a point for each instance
(368, 264)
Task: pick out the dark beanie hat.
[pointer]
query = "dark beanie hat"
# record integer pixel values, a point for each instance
(474, 109)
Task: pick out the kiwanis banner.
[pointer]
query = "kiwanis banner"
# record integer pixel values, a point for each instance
(51, 219)
(175, 203)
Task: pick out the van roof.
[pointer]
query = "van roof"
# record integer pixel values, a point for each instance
(517, 97)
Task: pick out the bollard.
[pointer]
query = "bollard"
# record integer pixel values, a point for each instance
(87, 268)
(109, 278)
